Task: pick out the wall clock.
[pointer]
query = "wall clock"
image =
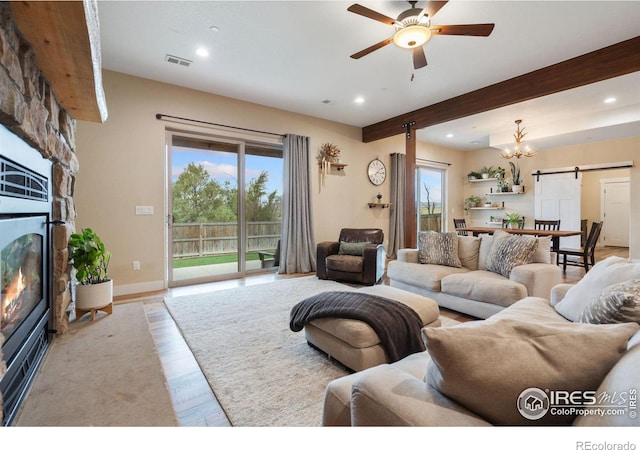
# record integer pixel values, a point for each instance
(377, 172)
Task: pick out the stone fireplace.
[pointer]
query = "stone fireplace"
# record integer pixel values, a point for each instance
(31, 113)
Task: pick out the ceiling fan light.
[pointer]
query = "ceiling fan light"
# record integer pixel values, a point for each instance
(412, 36)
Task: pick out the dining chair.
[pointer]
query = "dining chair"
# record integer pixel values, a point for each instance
(585, 254)
(540, 224)
(460, 223)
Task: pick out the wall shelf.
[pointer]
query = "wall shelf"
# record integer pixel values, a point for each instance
(505, 193)
(382, 205)
(486, 207)
(335, 165)
(477, 180)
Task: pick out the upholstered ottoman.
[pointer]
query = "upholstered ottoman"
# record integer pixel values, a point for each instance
(354, 343)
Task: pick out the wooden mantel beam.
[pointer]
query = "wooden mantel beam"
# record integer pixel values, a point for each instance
(65, 36)
(609, 62)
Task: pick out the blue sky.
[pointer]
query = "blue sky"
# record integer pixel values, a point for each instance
(433, 178)
(223, 166)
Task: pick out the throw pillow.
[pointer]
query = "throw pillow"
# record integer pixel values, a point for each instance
(352, 248)
(439, 248)
(509, 251)
(611, 270)
(486, 368)
(543, 252)
(618, 303)
(469, 251)
(486, 241)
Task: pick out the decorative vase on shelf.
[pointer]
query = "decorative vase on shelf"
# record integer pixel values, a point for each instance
(517, 188)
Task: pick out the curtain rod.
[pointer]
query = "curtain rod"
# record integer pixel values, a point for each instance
(587, 168)
(432, 161)
(160, 116)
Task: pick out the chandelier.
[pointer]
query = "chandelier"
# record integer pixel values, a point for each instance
(517, 152)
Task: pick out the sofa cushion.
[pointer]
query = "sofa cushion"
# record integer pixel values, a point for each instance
(611, 270)
(508, 251)
(424, 276)
(486, 241)
(352, 248)
(345, 263)
(469, 251)
(439, 248)
(617, 303)
(470, 367)
(543, 250)
(483, 286)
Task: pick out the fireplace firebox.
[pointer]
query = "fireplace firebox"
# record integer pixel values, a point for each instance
(25, 265)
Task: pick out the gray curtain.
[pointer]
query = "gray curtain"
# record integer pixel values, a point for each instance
(396, 225)
(297, 249)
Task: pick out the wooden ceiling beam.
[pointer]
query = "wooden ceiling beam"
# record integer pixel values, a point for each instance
(65, 36)
(609, 62)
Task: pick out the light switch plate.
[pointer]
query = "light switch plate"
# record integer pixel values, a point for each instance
(144, 210)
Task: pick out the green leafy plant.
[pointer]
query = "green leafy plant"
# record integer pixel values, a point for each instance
(474, 175)
(489, 170)
(471, 201)
(499, 173)
(89, 257)
(515, 173)
(512, 217)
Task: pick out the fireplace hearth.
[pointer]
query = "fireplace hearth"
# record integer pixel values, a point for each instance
(25, 267)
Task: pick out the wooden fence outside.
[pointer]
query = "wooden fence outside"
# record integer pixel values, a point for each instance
(431, 222)
(207, 239)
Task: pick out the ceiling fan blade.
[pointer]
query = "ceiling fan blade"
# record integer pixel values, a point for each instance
(374, 47)
(371, 14)
(478, 29)
(431, 8)
(419, 58)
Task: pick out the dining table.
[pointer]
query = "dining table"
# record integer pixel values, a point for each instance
(555, 234)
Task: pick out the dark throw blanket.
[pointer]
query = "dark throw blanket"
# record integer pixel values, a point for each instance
(397, 325)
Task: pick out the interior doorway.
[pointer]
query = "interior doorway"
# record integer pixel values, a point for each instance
(615, 206)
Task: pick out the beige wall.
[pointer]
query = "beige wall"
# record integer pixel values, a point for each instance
(123, 164)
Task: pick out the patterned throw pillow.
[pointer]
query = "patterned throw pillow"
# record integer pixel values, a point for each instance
(509, 251)
(439, 248)
(617, 303)
(352, 248)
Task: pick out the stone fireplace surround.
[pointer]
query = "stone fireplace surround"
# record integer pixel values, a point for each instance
(29, 109)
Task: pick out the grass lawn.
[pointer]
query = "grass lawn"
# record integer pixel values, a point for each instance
(207, 260)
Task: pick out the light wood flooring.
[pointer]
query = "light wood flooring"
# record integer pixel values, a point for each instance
(195, 403)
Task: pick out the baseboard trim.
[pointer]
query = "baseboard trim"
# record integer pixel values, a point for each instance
(138, 288)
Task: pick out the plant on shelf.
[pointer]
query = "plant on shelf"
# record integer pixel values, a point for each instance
(503, 185)
(512, 219)
(90, 259)
(471, 201)
(473, 175)
(515, 177)
(499, 173)
(487, 171)
(329, 152)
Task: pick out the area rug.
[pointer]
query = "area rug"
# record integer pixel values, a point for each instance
(262, 373)
(101, 373)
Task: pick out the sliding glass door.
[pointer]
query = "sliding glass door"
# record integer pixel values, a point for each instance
(430, 195)
(224, 216)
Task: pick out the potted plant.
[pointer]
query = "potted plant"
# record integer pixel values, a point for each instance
(512, 220)
(471, 202)
(90, 259)
(487, 172)
(515, 177)
(473, 175)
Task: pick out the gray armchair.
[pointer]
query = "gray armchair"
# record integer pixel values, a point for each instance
(358, 256)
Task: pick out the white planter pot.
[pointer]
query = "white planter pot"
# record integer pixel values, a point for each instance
(517, 188)
(94, 296)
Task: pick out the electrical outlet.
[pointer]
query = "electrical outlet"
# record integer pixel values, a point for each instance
(136, 265)
(144, 210)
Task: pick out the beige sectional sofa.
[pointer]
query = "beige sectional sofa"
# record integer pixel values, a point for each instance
(584, 343)
(475, 287)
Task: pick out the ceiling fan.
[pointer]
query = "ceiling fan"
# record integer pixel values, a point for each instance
(414, 29)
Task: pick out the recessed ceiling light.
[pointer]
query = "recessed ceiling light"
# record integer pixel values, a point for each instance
(359, 100)
(449, 135)
(610, 100)
(214, 28)
(202, 52)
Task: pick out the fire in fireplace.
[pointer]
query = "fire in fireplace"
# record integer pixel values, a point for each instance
(25, 286)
